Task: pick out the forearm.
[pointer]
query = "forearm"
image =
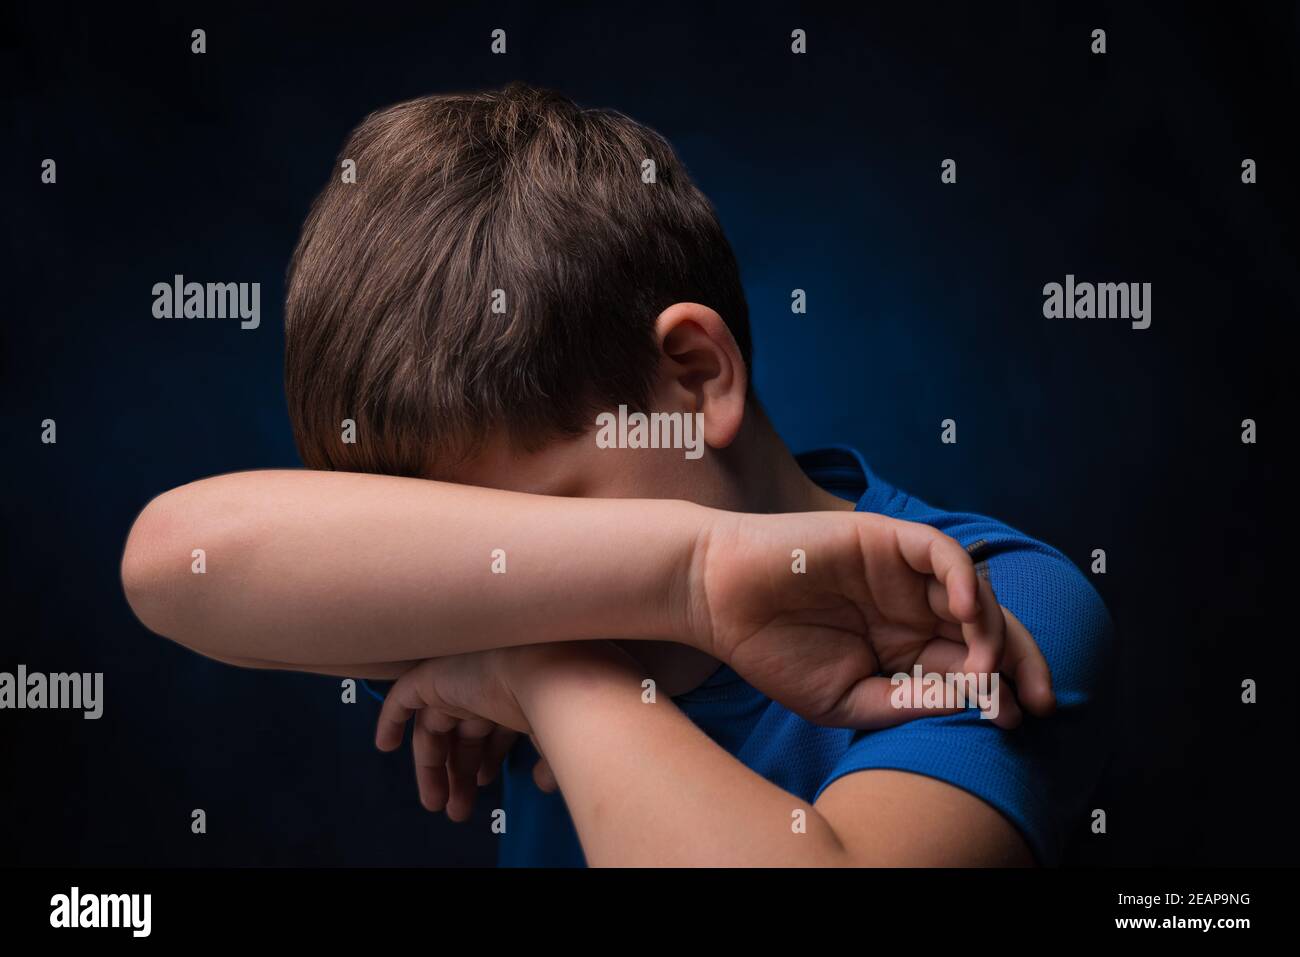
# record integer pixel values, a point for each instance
(645, 786)
(319, 568)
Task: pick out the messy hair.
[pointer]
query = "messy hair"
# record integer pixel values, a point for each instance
(497, 264)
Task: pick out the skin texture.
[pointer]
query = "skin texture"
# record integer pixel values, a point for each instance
(618, 759)
(621, 564)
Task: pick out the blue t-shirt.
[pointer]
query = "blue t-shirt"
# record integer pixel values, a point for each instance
(1039, 776)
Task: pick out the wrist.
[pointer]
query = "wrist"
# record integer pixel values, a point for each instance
(679, 590)
(714, 530)
(565, 671)
(635, 571)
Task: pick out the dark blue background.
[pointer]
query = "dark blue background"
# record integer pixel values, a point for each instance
(924, 303)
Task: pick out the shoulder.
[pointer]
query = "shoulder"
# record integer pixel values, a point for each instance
(1036, 776)
(1041, 586)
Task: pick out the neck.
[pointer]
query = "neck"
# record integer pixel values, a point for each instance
(758, 473)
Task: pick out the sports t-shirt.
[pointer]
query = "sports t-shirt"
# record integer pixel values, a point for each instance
(1039, 775)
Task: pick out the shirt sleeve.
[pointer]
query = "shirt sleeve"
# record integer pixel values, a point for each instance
(1040, 775)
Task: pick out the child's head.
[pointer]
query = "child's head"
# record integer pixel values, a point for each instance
(504, 267)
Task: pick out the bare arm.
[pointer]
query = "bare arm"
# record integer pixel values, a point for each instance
(336, 571)
(645, 786)
(362, 574)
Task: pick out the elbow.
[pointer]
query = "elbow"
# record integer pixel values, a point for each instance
(155, 564)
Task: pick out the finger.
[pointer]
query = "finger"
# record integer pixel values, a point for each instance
(437, 721)
(464, 758)
(498, 745)
(404, 699)
(985, 636)
(937, 596)
(1006, 714)
(994, 698)
(544, 777)
(930, 552)
(881, 702)
(430, 751)
(1023, 661)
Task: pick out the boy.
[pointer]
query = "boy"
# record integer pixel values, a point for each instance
(697, 637)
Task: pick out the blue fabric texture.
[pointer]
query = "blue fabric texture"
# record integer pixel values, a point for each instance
(1039, 776)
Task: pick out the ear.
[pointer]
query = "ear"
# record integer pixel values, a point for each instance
(701, 370)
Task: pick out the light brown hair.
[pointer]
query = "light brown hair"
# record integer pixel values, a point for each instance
(388, 318)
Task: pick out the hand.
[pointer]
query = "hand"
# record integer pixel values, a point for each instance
(876, 592)
(467, 717)
(466, 720)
